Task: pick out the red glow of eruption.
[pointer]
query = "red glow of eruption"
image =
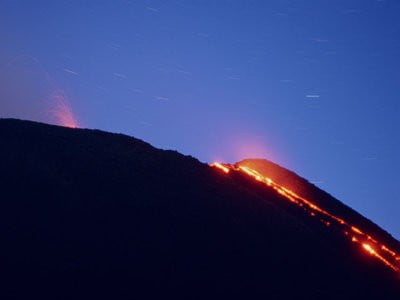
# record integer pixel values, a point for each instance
(369, 244)
(62, 111)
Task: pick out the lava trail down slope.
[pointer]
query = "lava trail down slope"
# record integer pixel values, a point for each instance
(87, 214)
(371, 245)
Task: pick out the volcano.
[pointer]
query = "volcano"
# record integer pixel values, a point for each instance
(87, 214)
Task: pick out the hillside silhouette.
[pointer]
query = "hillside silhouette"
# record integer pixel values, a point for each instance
(87, 214)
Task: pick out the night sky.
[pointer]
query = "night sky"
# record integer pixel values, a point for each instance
(313, 85)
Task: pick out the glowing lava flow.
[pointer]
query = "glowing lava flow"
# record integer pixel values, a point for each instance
(221, 167)
(369, 244)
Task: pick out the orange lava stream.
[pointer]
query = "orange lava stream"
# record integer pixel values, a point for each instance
(369, 244)
(221, 167)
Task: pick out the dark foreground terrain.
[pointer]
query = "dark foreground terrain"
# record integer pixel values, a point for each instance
(86, 214)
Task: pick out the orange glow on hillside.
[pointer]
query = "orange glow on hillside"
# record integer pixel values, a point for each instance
(372, 251)
(221, 167)
(62, 111)
(368, 243)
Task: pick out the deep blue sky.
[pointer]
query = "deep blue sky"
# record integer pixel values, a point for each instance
(313, 85)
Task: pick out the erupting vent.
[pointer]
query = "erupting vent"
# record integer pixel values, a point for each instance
(367, 243)
(62, 111)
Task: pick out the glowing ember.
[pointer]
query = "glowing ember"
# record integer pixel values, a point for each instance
(62, 110)
(355, 229)
(378, 250)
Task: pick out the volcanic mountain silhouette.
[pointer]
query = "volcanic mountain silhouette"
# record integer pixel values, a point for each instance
(87, 214)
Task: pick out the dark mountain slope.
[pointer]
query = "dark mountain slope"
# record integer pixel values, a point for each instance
(306, 189)
(86, 215)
